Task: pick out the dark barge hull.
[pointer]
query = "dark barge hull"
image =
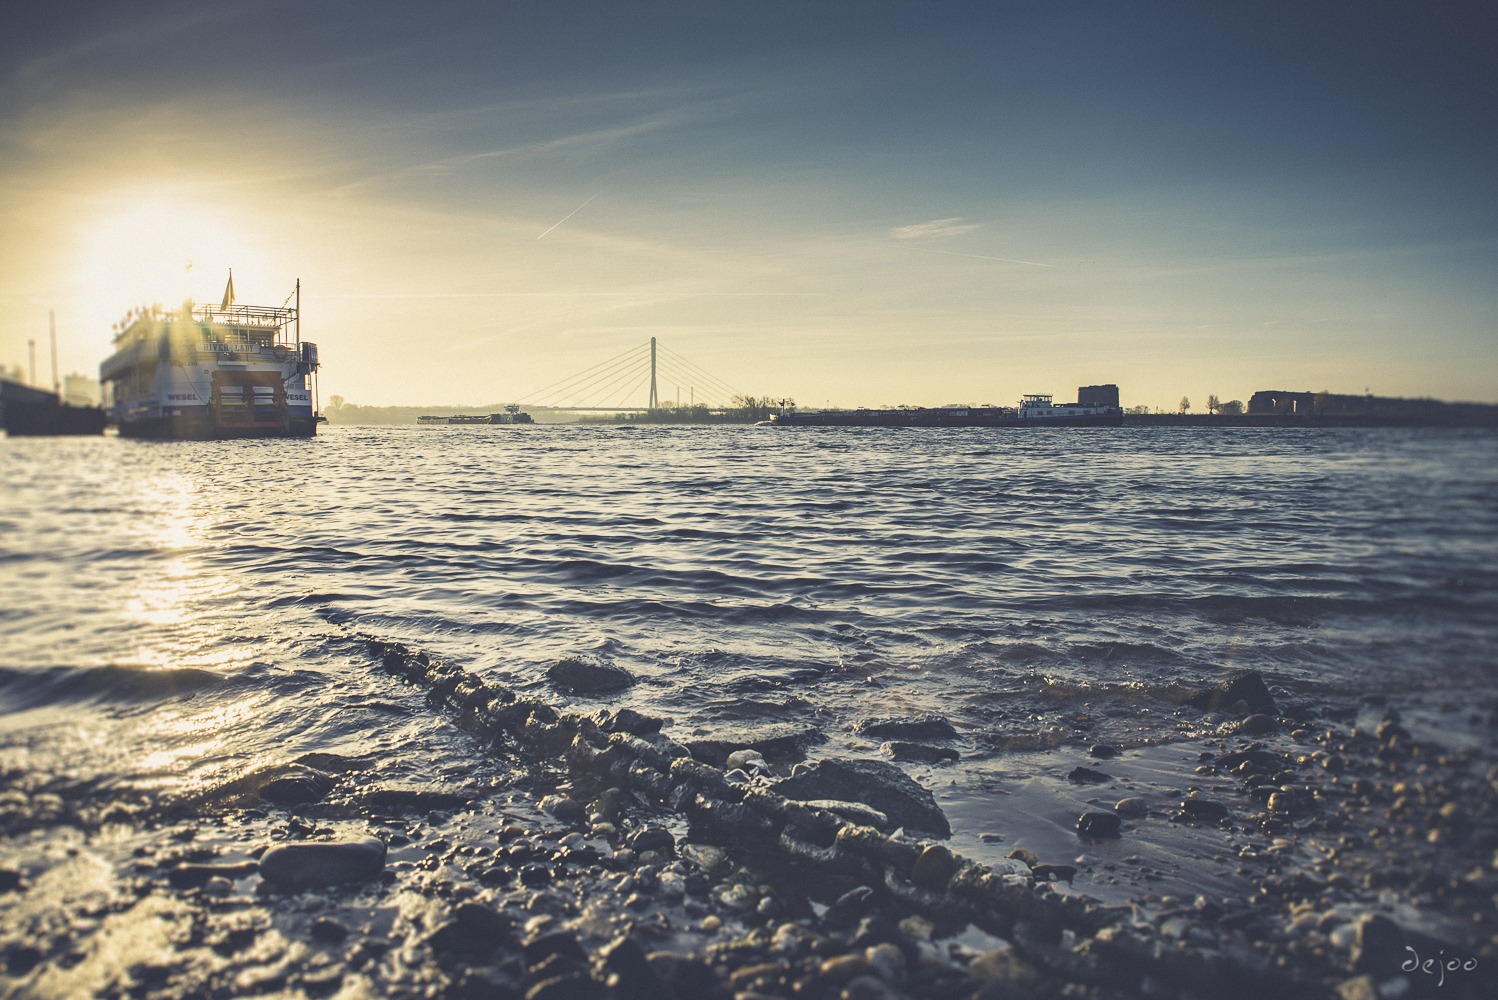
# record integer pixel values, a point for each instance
(26, 411)
(201, 428)
(933, 418)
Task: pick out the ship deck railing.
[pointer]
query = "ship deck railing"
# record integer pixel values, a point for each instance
(267, 316)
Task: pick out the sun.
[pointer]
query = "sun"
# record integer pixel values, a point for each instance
(163, 246)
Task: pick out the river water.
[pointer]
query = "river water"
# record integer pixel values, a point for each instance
(173, 615)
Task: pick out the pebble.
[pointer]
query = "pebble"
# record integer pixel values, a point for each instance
(917, 928)
(1100, 825)
(218, 886)
(1256, 725)
(1086, 775)
(933, 868)
(1204, 810)
(887, 961)
(652, 838)
(1132, 808)
(564, 808)
(842, 968)
(312, 864)
(704, 856)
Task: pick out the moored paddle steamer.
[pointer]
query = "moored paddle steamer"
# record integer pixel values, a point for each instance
(231, 371)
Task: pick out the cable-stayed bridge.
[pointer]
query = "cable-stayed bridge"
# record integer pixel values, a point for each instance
(632, 382)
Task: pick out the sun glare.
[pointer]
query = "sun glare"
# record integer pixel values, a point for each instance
(159, 247)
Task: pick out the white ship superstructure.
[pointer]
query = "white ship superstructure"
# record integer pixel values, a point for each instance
(212, 372)
(1039, 408)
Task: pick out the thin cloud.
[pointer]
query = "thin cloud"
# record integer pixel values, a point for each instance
(936, 227)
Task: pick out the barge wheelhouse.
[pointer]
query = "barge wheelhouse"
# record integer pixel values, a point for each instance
(229, 371)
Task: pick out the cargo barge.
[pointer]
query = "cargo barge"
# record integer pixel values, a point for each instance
(511, 415)
(231, 371)
(26, 411)
(1096, 406)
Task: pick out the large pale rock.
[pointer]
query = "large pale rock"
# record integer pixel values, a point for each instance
(312, 864)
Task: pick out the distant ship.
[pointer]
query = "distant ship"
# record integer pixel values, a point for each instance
(1096, 406)
(231, 371)
(511, 415)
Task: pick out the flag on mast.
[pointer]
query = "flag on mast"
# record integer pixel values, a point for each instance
(228, 291)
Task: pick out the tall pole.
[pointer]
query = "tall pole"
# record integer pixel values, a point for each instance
(31, 347)
(654, 402)
(52, 323)
(299, 319)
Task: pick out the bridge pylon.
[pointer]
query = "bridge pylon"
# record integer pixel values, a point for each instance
(654, 402)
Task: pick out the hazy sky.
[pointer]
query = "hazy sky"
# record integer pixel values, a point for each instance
(867, 203)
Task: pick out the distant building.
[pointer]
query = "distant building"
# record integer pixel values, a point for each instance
(1280, 401)
(1097, 395)
(80, 390)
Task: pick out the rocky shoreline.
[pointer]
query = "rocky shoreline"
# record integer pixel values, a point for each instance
(602, 859)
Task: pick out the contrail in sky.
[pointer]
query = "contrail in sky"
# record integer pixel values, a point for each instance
(953, 253)
(569, 215)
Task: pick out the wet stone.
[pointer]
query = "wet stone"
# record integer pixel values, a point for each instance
(1132, 808)
(1245, 686)
(876, 784)
(564, 808)
(627, 720)
(918, 753)
(1204, 810)
(1104, 752)
(773, 740)
(857, 812)
(319, 863)
(1087, 776)
(1054, 873)
(297, 786)
(535, 875)
(1100, 825)
(653, 838)
(934, 868)
(587, 676)
(327, 930)
(1257, 725)
(915, 727)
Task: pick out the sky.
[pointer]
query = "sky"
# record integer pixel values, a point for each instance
(845, 203)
